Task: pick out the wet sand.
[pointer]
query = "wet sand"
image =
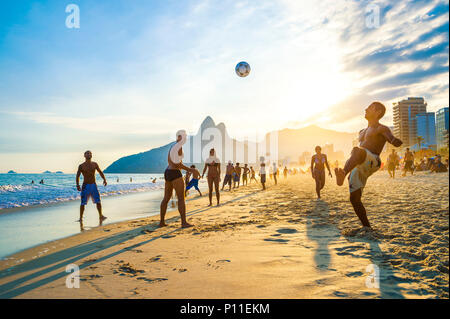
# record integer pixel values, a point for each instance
(278, 243)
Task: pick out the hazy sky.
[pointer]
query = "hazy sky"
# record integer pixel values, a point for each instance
(137, 71)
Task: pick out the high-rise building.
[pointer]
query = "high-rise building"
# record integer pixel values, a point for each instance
(405, 126)
(426, 128)
(442, 128)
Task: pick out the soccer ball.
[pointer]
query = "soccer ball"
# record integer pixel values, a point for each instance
(242, 69)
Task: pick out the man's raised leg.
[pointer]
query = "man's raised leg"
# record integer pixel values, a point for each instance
(357, 157)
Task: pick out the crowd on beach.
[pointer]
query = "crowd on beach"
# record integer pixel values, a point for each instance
(363, 162)
(412, 163)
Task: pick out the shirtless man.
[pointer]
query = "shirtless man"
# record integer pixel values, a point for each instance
(252, 175)
(237, 176)
(392, 162)
(89, 188)
(409, 162)
(228, 175)
(245, 172)
(365, 160)
(194, 181)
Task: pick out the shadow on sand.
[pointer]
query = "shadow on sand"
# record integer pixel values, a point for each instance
(60, 259)
(319, 230)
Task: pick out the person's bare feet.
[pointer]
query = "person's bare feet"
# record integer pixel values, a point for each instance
(102, 218)
(186, 225)
(340, 176)
(162, 224)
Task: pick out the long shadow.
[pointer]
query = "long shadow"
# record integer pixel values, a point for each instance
(387, 281)
(319, 229)
(73, 254)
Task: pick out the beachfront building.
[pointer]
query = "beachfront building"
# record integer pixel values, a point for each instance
(426, 128)
(442, 128)
(405, 125)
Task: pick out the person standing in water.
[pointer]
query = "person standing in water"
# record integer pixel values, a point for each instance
(318, 163)
(174, 180)
(392, 162)
(365, 159)
(228, 175)
(212, 164)
(194, 181)
(89, 188)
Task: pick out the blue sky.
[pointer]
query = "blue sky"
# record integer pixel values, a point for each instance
(137, 71)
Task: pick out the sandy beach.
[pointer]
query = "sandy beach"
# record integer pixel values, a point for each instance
(278, 243)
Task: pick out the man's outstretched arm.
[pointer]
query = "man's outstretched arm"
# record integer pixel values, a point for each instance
(328, 166)
(386, 132)
(77, 178)
(102, 175)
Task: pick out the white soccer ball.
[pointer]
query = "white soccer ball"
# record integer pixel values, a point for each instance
(242, 69)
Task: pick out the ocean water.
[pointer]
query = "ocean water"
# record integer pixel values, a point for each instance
(16, 190)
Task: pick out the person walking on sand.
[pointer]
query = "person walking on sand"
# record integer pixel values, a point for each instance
(365, 159)
(245, 172)
(409, 162)
(174, 180)
(262, 174)
(285, 172)
(318, 163)
(212, 164)
(252, 175)
(392, 163)
(275, 172)
(229, 171)
(237, 176)
(194, 181)
(89, 187)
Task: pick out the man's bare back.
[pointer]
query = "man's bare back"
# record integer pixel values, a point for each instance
(196, 174)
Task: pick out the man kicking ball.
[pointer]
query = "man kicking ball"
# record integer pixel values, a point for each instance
(89, 188)
(365, 160)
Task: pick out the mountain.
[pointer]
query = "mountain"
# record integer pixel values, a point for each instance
(155, 160)
(12, 172)
(291, 143)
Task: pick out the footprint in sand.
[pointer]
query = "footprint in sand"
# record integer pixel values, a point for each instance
(223, 261)
(151, 280)
(278, 240)
(156, 258)
(354, 274)
(287, 231)
(167, 236)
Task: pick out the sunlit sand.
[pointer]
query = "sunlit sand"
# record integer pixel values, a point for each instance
(278, 243)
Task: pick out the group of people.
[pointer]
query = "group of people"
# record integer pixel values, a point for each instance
(363, 162)
(432, 164)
